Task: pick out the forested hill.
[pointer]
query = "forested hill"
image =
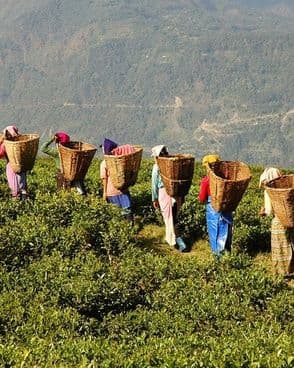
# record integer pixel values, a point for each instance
(198, 75)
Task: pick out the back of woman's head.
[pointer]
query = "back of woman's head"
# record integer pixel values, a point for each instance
(163, 152)
(10, 131)
(62, 137)
(108, 146)
(269, 173)
(159, 150)
(210, 159)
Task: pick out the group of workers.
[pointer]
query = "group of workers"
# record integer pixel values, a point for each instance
(219, 224)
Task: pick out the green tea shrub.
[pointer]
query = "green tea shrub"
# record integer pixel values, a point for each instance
(142, 204)
(78, 289)
(63, 221)
(144, 310)
(192, 216)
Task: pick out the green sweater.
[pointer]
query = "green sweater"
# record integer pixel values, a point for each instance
(51, 151)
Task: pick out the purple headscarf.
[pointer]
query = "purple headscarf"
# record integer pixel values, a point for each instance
(108, 146)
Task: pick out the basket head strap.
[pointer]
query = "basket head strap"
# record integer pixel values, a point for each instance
(174, 180)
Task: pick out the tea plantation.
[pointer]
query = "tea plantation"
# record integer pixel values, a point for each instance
(81, 287)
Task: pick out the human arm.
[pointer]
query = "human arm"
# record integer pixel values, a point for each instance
(154, 185)
(2, 150)
(2, 147)
(104, 177)
(204, 189)
(267, 209)
(104, 182)
(45, 148)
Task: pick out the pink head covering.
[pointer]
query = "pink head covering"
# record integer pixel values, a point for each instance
(10, 131)
(62, 137)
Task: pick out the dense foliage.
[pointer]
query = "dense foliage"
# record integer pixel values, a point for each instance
(81, 288)
(187, 73)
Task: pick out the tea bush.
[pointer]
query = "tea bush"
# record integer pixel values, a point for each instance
(64, 222)
(79, 289)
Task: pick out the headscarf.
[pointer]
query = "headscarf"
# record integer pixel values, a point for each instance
(269, 174)
(108, 146)
(62, 137)
(156, 150)
(210, 159)
(11, 130)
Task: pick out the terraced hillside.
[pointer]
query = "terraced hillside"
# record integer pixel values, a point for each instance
(180, 72)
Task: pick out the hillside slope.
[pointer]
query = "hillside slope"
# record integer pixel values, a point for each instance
(153, 71)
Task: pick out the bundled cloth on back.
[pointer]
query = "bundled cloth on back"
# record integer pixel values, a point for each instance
(125, 149)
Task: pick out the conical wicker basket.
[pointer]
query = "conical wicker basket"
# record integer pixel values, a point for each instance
(123, 169)
(176, 172)
(22, 151)
(228, 181)
(76, 158)
(281, 193)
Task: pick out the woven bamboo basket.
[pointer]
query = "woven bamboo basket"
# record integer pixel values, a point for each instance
(281, 193)
(228, 181)
(123, 169)
(22, 151)
(176, 172)
(76, 158)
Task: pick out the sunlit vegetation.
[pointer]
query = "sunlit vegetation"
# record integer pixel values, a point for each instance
(81, 287)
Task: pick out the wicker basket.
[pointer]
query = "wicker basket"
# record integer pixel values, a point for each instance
(22, 151)
(281, 193)
(75, 159)
(176, 172)
(228, 181)
(123, 169)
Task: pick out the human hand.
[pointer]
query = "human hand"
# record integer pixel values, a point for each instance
(262, 212)
(156, 204)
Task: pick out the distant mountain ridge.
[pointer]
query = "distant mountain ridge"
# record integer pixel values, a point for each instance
(197, 75)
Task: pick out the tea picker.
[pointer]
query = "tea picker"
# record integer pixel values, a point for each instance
(119, 171)
(171, 180)
(20, 151)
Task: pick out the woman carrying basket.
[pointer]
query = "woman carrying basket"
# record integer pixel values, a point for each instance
(169, 206)
(16, 182)
(282, 239)
(111, 194)
(62, 183)
(219, 224)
